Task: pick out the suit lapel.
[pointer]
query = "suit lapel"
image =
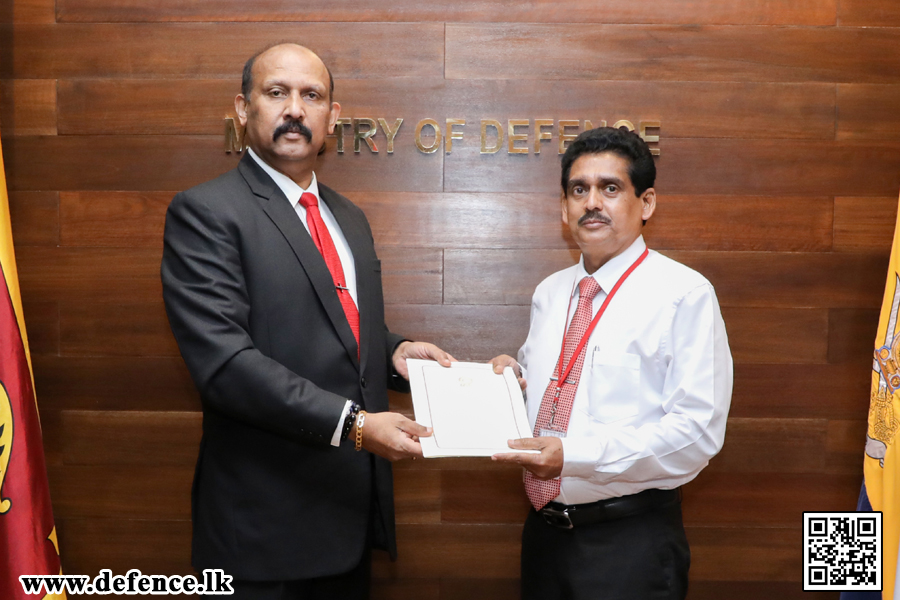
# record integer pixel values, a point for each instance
(285, 218)
(359, 241)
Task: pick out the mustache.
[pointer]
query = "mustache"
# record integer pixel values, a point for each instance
(292, 126)
(594, 215)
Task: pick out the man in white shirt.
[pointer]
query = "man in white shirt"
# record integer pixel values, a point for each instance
(629, 383)
(273, 291)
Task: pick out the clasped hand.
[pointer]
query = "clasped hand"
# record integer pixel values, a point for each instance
(389, 434)
(549, 463)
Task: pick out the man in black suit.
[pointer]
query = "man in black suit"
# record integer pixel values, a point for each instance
(288, 348)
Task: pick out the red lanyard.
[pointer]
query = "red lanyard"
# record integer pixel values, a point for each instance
(563, 376)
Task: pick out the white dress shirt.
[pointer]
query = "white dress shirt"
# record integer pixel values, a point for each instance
(293, 192)
(654, 393)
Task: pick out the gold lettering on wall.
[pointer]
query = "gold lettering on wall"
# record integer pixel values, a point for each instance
(430, 135)
(650, 139)
(390, 133)
(514, 137)
(540, 134)
(339, 133)
(451, 134)
(359, 134)
(495, 124)
(565, 138)
(437, 136)
(234, 136)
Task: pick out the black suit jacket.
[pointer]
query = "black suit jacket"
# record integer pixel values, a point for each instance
(257, 319)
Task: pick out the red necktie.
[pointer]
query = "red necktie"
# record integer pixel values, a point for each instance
(542, 492)
(324, 243)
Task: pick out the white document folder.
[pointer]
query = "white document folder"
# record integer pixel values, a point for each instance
(472, 410)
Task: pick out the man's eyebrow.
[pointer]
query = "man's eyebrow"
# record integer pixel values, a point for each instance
(282, 83)
(611, 179)
(576, 181)
(602, 180)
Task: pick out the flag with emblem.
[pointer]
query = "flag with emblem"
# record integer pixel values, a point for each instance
(881, 467)
(27, 534)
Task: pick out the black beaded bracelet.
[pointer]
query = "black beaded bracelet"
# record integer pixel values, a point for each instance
(349, 420)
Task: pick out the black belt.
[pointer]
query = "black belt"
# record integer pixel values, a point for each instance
(568, 516)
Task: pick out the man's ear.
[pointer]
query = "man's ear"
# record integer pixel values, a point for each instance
(335, 114)
(648, 203)
(240, 107)
(565, 208)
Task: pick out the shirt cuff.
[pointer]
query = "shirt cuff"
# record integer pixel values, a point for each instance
(579, 457)
(336, 438)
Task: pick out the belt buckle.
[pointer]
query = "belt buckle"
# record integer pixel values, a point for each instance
(557, 518)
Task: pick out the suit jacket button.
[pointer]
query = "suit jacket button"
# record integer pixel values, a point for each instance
(362, 381)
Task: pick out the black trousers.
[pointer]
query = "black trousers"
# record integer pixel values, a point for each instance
(353, 585)
(635, 558)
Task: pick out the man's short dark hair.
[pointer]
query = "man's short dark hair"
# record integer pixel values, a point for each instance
(627, 144)
(247, 77)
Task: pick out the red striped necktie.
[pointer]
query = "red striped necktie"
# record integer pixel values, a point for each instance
(542, 492)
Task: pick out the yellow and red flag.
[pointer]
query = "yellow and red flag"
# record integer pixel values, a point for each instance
(882, 465)
(27, 534)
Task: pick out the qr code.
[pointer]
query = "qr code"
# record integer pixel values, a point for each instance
(842, 551)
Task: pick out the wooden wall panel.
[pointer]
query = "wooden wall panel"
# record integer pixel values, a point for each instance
(843, 439)
(464, 493)
(864, 224)
(133, 329)
(781, 12)
(745, 499)
(868, 111)
(453, 551)
(218, 49)
(32, 11)
(869, 13)
(498, 220)
(153, 546)
(773, 446)
(801, 390)
(660, 52)
(685, 109)
(42, 326)
(707, 166)
(418, 496)
(130, 437)
(851, 335)
(151, 492)
(108, 383)
(779, 280)
(777, 335)
(117, 219)
(466, 332)
(450, 220)
(180, 162)
(35, 218)
(132, 274)
(90, 274)
(778, 180)
(412, 275)
(28, 107)
(745, 554)
(803, 224)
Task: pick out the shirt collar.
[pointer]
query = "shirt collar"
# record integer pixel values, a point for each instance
(287, 185)
(607, 275)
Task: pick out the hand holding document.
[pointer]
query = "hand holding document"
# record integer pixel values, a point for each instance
(472, 410)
